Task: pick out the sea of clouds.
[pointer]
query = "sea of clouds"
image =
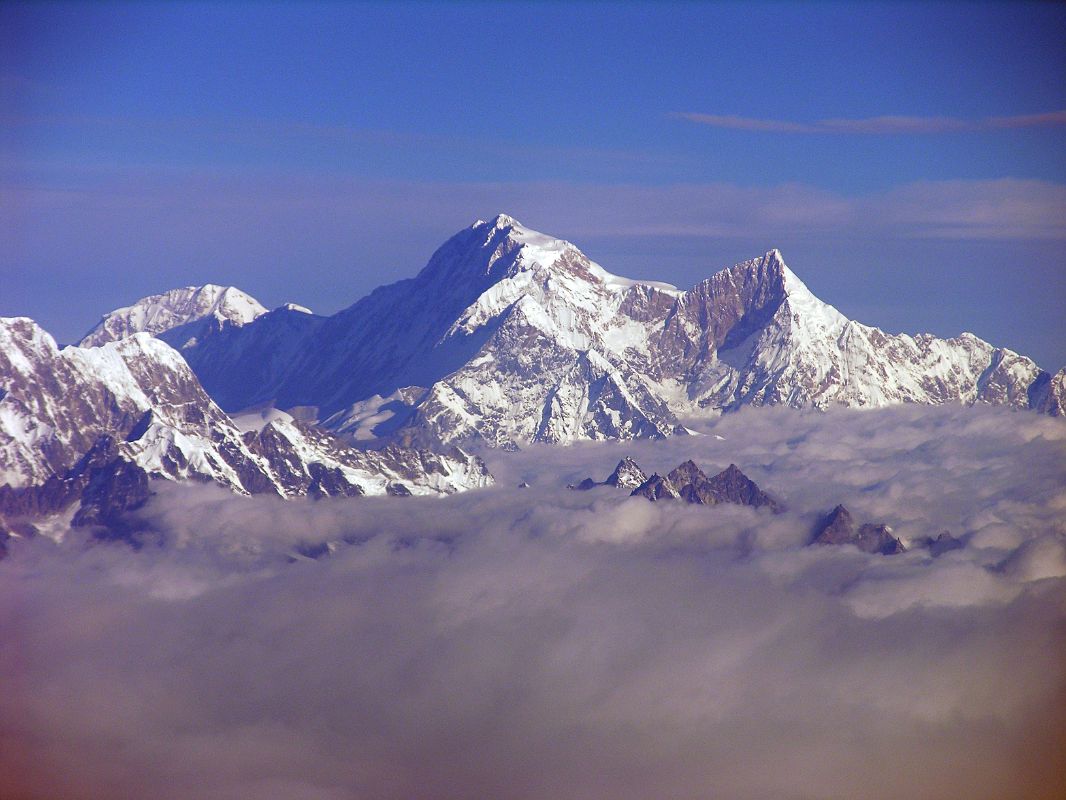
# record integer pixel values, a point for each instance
(544, 643)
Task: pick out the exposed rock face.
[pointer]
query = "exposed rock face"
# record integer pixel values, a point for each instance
(729, 486)
(306, 460)
(509, 336)
(627, 475)
(1047, 394)
(104, 483)
(733, 486)
(138, 391)
(839, 528)
(689, 483)
(656, 488)
(94, 425)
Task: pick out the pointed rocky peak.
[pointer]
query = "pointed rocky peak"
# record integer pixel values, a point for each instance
(23, 342)
(536, 249)
(734, 303)
(751, 291)
(159, 313)
(689, 483)
(838, 527)
(732, 473)
(627, 475)
(656, 488)
(771, 267)
(686, 474)
(768, 271)
(476, 256)
(733, 486)
(873, 538)
(490, 252)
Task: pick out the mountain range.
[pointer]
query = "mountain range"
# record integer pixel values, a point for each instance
(509, 336)
(506, 337)
(85, 428)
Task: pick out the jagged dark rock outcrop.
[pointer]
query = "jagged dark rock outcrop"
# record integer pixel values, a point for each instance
(733, 486)
(839, 527)
(656, 488)
(627, 475)
(103, 484)
(689, 483)
(943, 543)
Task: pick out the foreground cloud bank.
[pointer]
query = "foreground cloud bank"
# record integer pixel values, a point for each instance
(535, 643)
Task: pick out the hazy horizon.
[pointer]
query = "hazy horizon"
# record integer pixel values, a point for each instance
(907, 159)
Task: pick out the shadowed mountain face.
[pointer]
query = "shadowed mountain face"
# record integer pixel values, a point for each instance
(509, 336)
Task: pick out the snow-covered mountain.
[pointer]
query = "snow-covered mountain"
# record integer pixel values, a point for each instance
(133, 410)
(189, 308)
(509, 336)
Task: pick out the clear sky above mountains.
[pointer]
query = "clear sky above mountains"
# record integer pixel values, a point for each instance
(908, 159)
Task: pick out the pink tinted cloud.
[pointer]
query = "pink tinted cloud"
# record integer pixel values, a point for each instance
(887, 124)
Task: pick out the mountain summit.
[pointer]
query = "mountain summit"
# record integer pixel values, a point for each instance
(167, 312)
(510, 336)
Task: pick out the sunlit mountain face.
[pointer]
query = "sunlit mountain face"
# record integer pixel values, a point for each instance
(517, 501)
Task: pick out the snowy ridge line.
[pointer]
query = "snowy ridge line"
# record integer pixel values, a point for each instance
(160, 313)
(509, 336)
(95, 425)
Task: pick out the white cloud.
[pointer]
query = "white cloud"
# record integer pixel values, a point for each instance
(544, 643)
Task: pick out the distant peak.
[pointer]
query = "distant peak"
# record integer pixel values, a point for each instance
(686, 473)
(839, 511)
(499, 222)
(772, 265)
(505, 221)
(158, 313)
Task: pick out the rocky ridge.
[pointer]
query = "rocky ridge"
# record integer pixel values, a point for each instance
(686, 482)
(90, 427)
(839, 527)
(510, 336)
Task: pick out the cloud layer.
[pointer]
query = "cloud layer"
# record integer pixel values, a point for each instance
(882, 125)
(534, 643)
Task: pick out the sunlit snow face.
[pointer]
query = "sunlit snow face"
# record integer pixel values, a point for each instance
(540, 642)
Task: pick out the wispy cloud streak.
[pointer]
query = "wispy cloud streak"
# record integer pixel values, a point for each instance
(881, 125)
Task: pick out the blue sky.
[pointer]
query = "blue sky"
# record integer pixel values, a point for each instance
(908, 159)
